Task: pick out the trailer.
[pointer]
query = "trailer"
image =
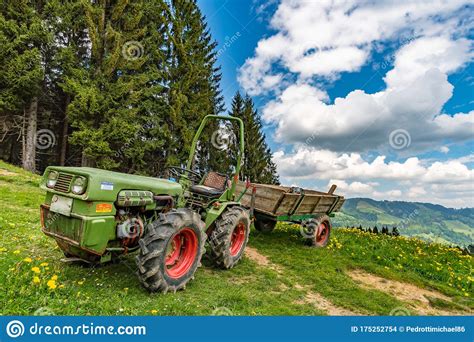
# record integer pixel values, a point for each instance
(269, 204)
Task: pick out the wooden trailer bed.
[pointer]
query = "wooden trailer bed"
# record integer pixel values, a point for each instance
(284, 203)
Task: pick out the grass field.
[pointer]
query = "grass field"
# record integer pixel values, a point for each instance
(359, 273)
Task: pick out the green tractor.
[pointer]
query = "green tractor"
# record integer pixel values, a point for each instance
(96, 215)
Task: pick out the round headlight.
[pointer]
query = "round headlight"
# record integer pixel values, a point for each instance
(52, 178)
(79, 185)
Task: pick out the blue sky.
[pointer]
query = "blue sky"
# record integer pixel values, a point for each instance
(334, 90)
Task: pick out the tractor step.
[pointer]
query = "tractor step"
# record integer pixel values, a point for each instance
(71, 260)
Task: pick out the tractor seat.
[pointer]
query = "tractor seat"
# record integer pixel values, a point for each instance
(214, 185)
(206, 191)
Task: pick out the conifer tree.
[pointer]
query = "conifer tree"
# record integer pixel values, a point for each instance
(106, 90)
(257, 162)
(22, 38)
(122, 84)
(193, 82)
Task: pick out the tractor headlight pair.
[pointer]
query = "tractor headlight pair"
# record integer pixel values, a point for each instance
(52, 179)
(79, 185)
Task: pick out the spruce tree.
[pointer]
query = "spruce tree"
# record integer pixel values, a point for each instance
(64, 60)
(193, 83)
(107, 89)
(106, 110)
(22, 38)
(257, 162)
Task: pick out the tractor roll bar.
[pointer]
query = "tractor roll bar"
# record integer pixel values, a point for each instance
(241, 144)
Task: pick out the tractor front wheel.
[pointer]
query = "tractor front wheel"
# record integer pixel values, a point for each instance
(229, 237)
(171, 251)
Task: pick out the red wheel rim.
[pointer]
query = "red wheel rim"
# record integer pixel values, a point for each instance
(181, 253)
(322, 234)
(237, 240)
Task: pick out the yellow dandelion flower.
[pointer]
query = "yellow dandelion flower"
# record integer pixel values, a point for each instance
(54, 277)
(36, 270)
(27, 260)
(44, 264)
(154, 312)
(36, 280)
(51, 284)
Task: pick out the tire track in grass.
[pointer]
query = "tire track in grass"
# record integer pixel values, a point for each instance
(312, 298)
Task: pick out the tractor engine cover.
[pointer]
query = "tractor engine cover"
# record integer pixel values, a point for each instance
(134, 198)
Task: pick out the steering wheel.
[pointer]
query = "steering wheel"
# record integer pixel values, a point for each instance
(177, 172)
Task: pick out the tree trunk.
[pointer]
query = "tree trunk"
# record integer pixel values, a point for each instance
(29, 146)
(64, 135)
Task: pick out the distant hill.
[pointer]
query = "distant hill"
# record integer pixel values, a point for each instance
(427, 221)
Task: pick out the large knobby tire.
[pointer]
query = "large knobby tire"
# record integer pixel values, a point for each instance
(229, 237)
(171, 251)
(317, 231)
(265, 225)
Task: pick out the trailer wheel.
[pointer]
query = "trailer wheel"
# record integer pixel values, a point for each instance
(317, 231)
(171, 251)
(229, 238)
(265, 226)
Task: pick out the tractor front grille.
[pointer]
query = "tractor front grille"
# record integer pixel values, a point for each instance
(63, 183)
(62, 226)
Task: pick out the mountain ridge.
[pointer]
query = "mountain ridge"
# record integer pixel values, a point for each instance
(428, 221)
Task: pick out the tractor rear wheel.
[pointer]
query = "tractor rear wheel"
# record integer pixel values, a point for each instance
(317, 231)
(171, 251)
(265, 226)
(229, 237)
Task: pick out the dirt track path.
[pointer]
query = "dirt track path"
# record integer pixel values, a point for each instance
(312, 298)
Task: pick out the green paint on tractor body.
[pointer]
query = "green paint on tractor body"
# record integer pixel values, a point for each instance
(105, 185)
(87, 226)
(96, 214)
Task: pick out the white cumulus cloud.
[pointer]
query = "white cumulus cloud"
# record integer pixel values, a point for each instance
(330, 139)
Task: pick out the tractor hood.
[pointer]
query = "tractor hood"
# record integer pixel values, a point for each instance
(103, 185)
